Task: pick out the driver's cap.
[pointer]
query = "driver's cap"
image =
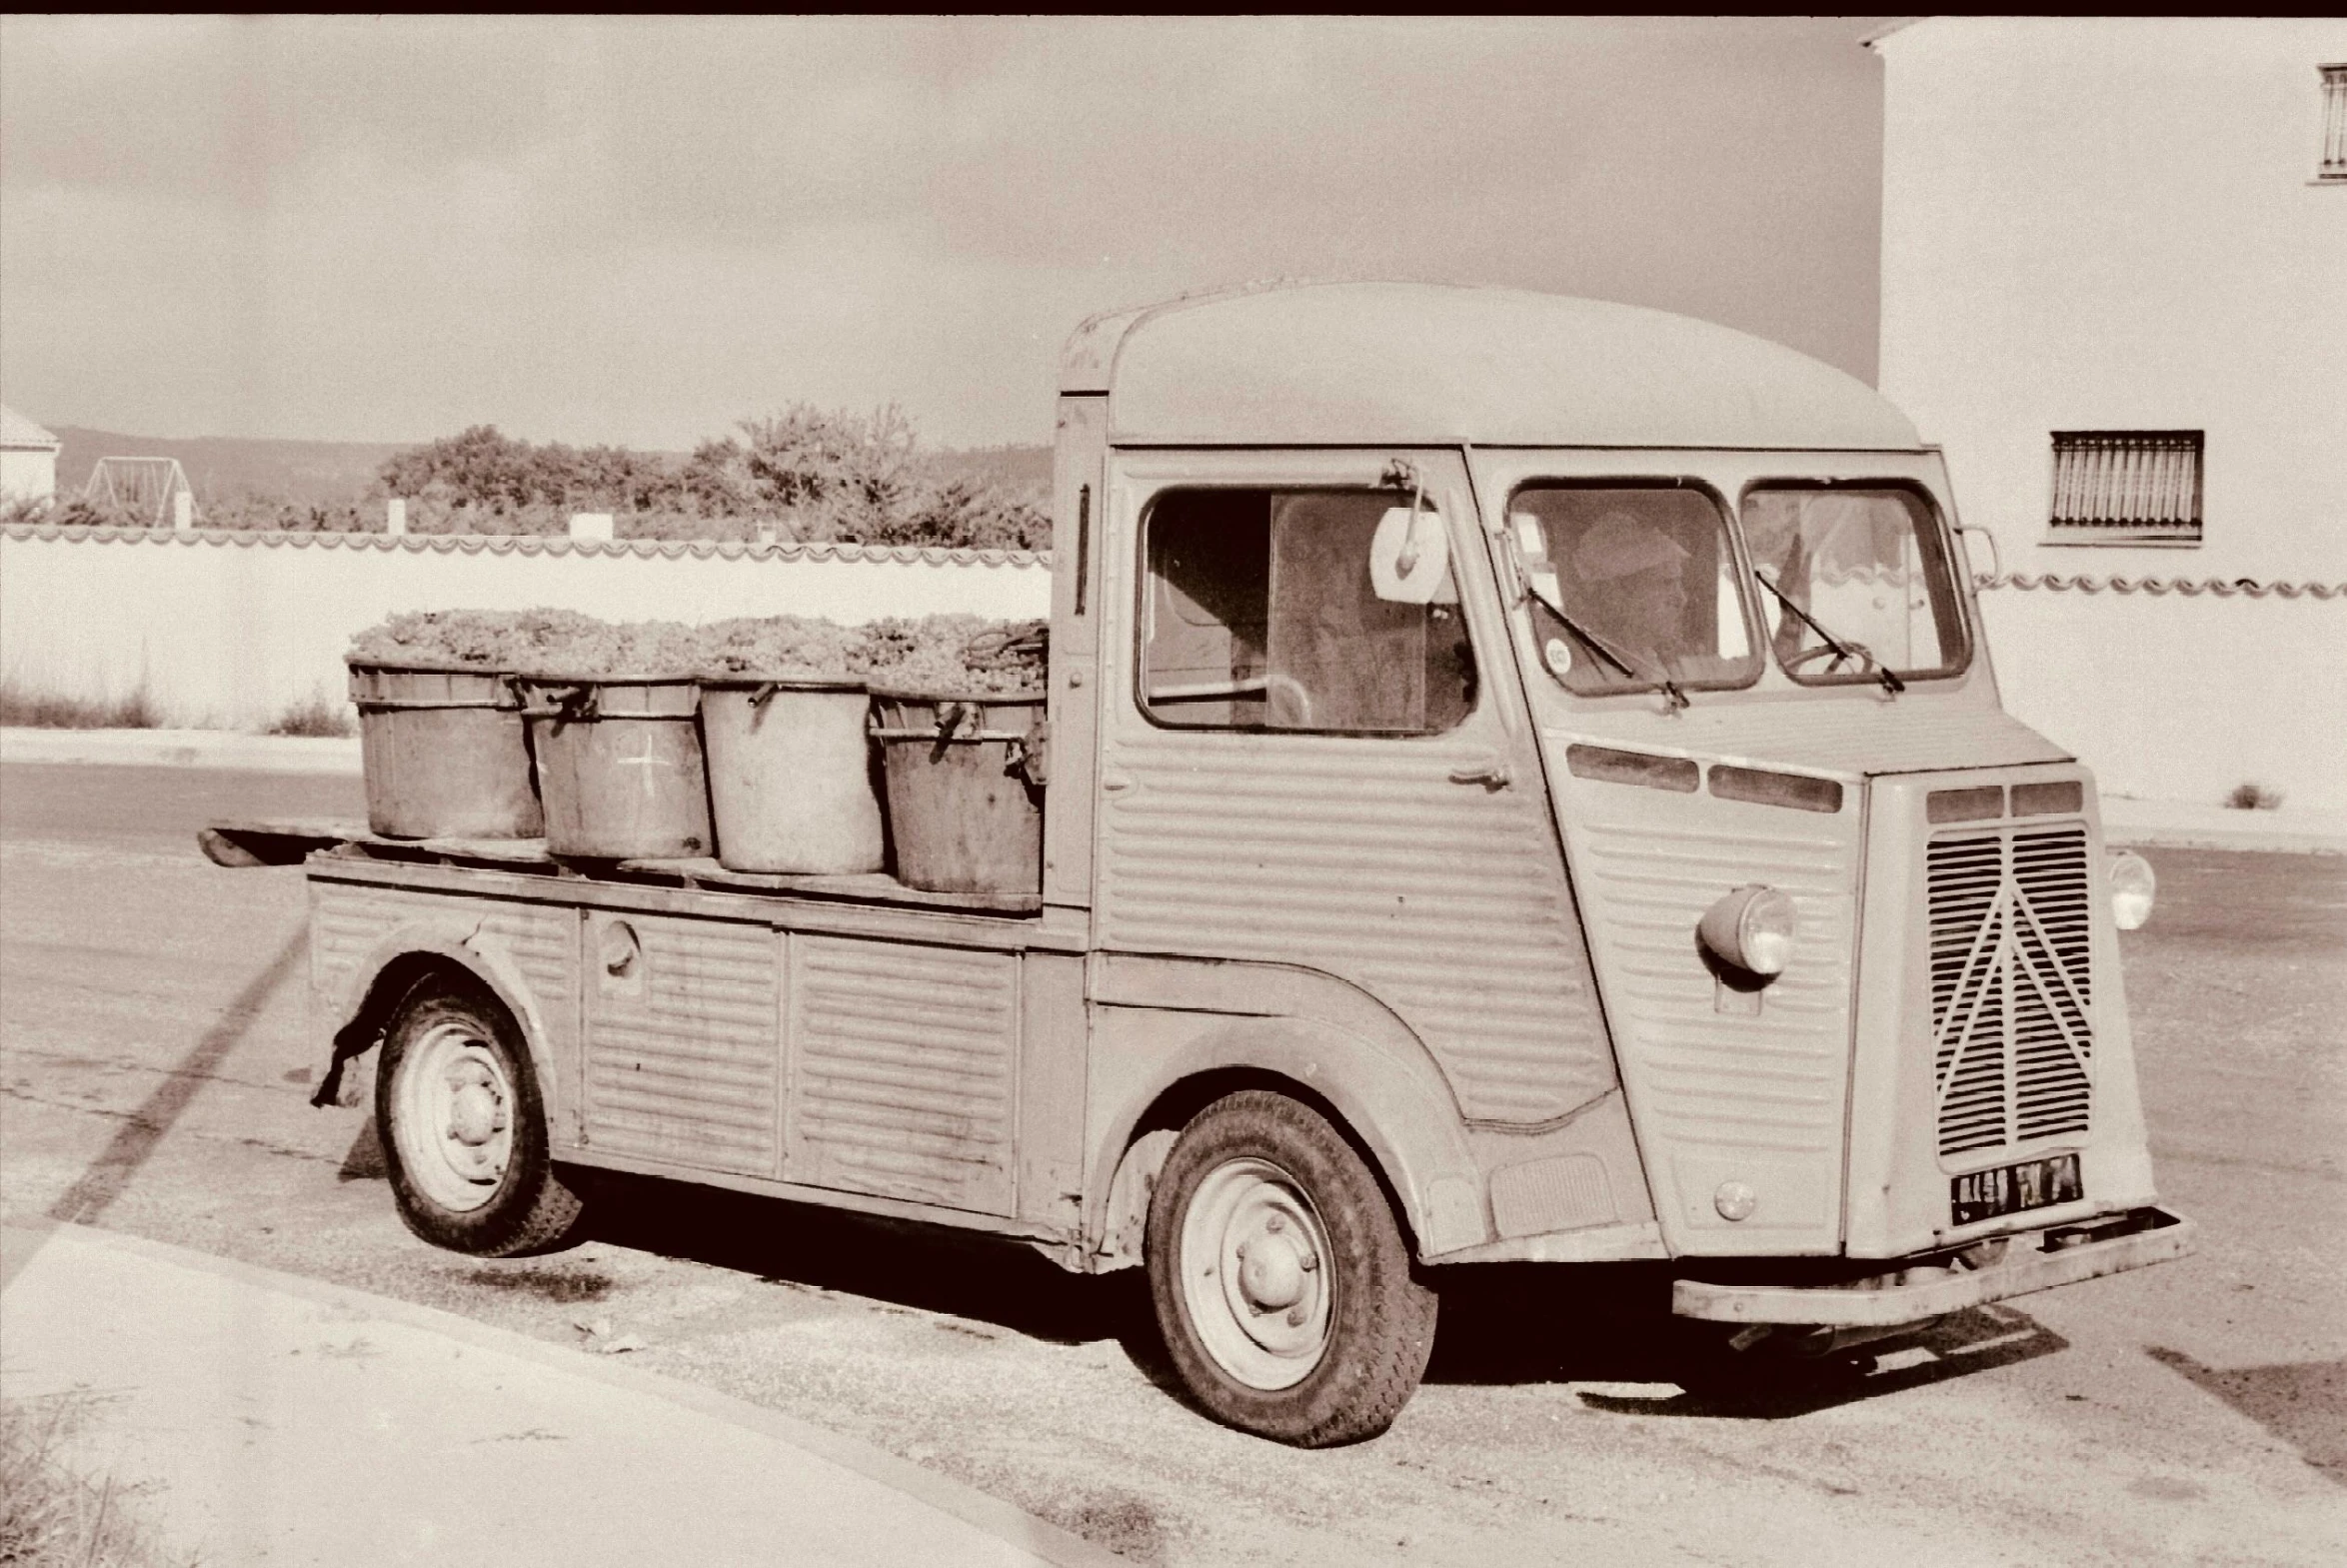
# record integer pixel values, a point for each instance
(1620, 545)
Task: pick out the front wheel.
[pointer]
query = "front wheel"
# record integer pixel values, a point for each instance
(1281, 1282)
(463, 1127)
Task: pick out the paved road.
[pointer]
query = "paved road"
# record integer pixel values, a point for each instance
(155, 1069)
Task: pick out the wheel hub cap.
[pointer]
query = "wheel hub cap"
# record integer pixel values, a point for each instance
(1254, 1278)
(472, 1119)
(455, 1118)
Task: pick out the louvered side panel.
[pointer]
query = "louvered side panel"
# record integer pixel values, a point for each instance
(904, 1079)
(684, 1051)
(346, 925)
(539, 942)
(1360, 858)
(1771, 1083)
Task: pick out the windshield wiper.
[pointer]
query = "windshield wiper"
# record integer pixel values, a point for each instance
(1595, 645)
(1842, 652)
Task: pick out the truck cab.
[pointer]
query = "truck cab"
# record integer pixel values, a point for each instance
(1527, 782)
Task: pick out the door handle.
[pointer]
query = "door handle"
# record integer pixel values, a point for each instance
(1490, 772)
(1114, 784)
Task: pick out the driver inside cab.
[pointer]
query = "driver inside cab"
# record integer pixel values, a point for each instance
(1630, 579)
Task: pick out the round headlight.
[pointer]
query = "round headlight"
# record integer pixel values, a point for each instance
(1752, 930)
(2133, 887)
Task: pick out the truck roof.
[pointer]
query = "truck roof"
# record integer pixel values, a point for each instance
(1382, 364)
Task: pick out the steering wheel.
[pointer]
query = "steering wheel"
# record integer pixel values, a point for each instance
(1294, 690)
(1810, 656)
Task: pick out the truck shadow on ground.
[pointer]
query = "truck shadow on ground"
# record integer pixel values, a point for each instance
(1500, 1324)
(2304, 1404)
(1611, 1323)
(927, 1268)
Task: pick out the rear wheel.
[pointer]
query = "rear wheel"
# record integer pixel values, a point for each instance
(1281, 1278)
(463, 1127)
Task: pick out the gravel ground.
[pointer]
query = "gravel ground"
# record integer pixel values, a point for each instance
(155, 1066)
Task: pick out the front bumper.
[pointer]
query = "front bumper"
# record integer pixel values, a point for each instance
(2034, 1261)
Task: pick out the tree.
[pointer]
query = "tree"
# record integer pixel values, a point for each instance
(853, 473)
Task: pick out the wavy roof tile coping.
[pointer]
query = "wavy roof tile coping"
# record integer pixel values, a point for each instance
(543, 545)
(2190, 588)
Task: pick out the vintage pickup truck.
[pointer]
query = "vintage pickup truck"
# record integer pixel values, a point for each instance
(1527, 782)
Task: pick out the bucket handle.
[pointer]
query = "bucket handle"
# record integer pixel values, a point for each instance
(1030, 753)
(957, 721)
(899, 733)
(425, 704)
(572, 705)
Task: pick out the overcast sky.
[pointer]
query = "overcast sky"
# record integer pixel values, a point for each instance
(641, 231)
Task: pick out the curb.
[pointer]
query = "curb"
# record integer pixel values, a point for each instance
(222, 748)
(2172, 824)
(1005, 1521)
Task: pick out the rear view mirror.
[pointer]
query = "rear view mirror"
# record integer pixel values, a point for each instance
(1409, 557)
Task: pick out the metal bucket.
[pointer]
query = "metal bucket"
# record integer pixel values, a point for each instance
(445, 753)
(965, 788)
(619, 764)
(791, 785)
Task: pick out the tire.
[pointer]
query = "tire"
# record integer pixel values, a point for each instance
(463, 1127)
(1282, 1282)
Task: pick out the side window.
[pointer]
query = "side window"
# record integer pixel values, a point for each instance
(1262, 611)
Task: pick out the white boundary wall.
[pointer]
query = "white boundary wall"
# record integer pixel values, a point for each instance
(234, 627)
(2181, 691)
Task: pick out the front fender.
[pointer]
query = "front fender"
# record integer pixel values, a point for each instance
(1320, 1034)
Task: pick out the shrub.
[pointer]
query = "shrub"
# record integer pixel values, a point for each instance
(2253, 797)
(314, 717)
(35, 710)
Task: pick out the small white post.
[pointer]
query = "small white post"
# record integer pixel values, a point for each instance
(395, 515)
(183, 511)
(590, 524)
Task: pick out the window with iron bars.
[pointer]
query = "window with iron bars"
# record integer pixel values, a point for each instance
(2334, 164)
(2123, 487)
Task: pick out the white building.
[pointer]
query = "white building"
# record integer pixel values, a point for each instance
(28, 459)
(2114, 288)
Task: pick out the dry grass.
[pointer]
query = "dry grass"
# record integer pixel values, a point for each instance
(51, 1514)
(20, 704)
(314, 717)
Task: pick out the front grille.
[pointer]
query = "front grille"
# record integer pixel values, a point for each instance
(2011, 985)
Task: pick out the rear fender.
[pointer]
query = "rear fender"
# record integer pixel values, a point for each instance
(354, 1016)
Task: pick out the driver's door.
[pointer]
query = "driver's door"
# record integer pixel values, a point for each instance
(1300, 770)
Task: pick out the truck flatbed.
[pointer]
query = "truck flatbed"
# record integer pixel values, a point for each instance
(291, 841)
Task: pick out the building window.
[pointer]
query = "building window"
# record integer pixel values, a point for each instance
(2334, 164)
(2124, 487)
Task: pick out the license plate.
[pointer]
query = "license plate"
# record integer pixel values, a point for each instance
(2012, 1189)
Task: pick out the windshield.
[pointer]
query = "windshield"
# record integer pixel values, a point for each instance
(1634, 588)
(1854, 583)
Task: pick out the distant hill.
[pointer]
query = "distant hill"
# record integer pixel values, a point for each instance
(222, 466)
(333, 472)
(1019, 470)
